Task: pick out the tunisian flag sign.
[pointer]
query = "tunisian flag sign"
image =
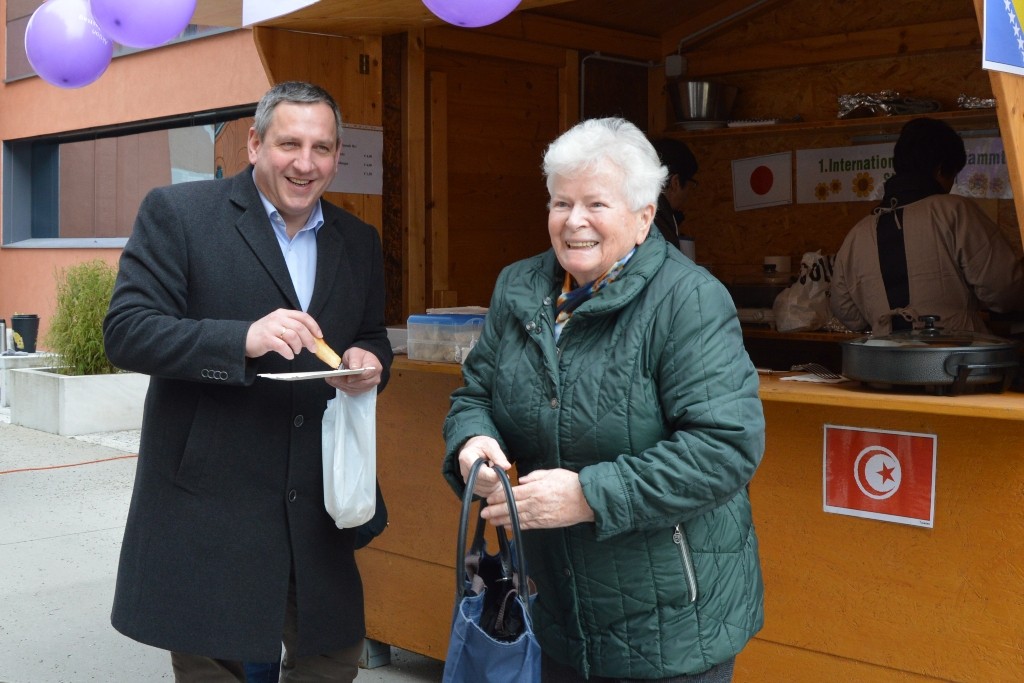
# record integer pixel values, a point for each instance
(880, 474)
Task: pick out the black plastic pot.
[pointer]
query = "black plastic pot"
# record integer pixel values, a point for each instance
(935, 360)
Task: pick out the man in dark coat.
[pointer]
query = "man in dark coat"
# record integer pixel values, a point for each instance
(228, 549)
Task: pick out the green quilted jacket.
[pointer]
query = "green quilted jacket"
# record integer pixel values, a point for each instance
(650, 396)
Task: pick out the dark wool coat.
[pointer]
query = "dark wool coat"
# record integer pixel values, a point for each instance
(649, 395)
(228, 495)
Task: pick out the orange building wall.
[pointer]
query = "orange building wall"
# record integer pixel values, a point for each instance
(201, 75)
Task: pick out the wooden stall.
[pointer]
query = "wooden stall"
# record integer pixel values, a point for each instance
(466, 115)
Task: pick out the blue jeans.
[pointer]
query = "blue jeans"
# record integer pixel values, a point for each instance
(262, 672)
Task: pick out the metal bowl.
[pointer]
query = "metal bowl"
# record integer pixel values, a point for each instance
(701, 100)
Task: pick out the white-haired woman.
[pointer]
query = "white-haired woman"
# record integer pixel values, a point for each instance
(611, 371)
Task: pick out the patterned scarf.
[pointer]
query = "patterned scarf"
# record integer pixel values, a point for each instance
(570, 299)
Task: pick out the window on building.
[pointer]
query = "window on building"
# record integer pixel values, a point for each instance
(84, 188)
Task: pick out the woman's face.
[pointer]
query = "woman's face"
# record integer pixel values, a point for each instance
(590, 224)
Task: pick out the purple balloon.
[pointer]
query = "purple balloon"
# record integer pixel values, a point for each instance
(143, 23)
(471, 13)
(65, 46)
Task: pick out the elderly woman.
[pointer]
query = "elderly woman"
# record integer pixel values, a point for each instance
(611, 371)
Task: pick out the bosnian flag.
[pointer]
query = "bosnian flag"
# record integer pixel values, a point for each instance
(879, 474)
(1002, 39)
(762, 181)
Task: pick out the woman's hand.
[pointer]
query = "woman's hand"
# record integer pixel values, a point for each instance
(545, 499)
(487, 448)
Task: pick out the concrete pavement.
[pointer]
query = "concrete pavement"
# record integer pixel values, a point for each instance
(63, 502)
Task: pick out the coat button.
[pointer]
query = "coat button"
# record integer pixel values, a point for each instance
(292, 495)
(567, 571)
(554, 403)
(298, 421)
(531, 326)
(547, 301)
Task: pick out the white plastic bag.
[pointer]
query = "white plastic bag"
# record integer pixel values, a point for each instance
(350, 458)
(804, 304)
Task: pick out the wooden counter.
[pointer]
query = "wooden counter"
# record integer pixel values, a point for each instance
(782, 350)
(409, 571)
(846, 598)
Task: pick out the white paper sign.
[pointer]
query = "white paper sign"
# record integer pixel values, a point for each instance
(361, 166)
(858, 173)
(842, 174)
(986, 174)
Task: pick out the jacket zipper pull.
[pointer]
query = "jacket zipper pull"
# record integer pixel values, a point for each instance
(679, 538)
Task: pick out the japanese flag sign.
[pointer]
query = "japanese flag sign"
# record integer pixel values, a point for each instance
(762, 181)
(879, 474)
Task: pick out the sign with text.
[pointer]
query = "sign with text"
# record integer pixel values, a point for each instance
(880, 474)
(858, 173)
(361, 166)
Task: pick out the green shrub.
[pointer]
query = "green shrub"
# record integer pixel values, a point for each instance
(76, 329)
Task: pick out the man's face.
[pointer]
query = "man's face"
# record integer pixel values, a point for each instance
(296, 160)
(676, 192)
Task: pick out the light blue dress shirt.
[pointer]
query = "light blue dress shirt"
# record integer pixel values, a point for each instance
(300, 251)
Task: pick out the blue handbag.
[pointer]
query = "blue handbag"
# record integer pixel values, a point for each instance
(492, 638)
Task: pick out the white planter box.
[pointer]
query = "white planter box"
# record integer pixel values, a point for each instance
(8, 363)
(69, 405)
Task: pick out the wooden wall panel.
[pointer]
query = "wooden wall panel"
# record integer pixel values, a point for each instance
(791, 19)
(864, 600)
(393, 233)
(501, 115)
(414, 162)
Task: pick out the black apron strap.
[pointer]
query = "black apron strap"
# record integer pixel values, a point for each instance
(892, 259)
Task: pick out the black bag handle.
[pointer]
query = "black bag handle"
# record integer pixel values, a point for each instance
(478, 544)
(517, 535)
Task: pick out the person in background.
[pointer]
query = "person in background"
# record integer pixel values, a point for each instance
(228, 550)
(611, 371)
(682, 166)
(923, 251)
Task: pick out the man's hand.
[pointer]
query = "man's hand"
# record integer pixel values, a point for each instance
(366, 380)
(283, 331)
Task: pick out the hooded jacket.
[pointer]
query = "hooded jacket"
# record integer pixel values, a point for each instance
(650, 396)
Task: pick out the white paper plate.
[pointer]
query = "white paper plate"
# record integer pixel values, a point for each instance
(292, 376)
